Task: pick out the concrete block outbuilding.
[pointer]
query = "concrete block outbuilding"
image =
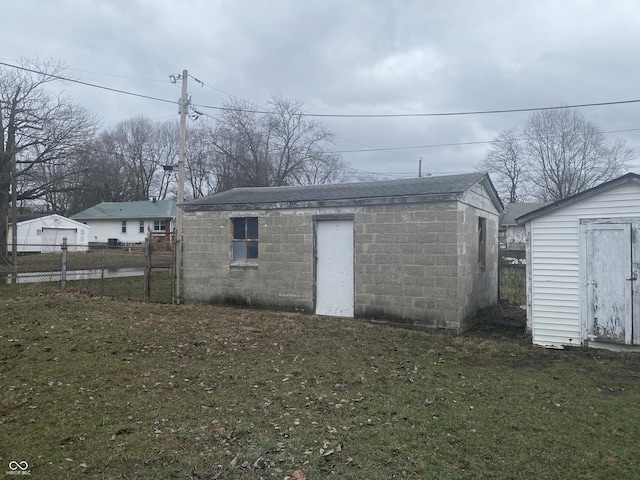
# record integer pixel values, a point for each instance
(420, 251)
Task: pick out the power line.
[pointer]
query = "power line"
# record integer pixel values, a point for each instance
(389, 149)
(72, 80)
(440, 114)
(369, 148)
(203, 84)
(455, 144)
(406, 115)
(119, 76)
(399, 174)
(335, 115)
(433, 145)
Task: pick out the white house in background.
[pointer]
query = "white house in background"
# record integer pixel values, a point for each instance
(45, 235)
(129, 222)
(512, 235)
(583, 252)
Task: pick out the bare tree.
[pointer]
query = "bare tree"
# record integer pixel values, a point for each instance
(242, 143)
(281, 147)
(165, 151)
(38, 130)
(323, 169)
(132, 142)
(506, 160)
(125, 163)
(50, 181)
(99, 176)
(558, 153)
(297, 146)
(567, 154)
(200, 168)
(142, 148)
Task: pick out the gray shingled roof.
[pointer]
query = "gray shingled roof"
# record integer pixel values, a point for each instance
(515, 210)
(438, 185)
(126, 210)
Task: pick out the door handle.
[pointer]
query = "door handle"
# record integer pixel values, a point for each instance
(634, 277)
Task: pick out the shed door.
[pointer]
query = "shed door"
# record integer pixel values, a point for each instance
(334, 268)
(609, 283)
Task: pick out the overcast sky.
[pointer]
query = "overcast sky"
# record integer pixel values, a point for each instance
(349, 57)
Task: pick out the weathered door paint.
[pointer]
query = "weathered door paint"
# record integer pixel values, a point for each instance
(609, 282)
(334, 268)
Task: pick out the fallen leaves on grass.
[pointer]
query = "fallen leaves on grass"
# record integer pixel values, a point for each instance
(208, 392)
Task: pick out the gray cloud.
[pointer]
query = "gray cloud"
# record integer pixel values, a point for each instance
(349, 56)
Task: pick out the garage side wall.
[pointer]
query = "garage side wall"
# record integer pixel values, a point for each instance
(405, 261)
(477, 274)
(414, 263)
(282, 277)
(407, 265)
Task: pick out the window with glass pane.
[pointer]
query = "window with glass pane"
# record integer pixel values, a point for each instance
(141, 226)
(245, 239)
(159, 225)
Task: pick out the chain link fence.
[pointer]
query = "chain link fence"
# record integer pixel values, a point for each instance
(147, 271)
(512, 276)
(137, 272)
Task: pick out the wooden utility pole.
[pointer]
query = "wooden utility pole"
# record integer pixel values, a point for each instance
(184, 104)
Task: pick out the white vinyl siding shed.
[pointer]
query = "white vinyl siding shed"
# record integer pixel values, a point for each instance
(556, 258)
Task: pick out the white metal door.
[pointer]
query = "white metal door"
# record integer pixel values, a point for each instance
(609, 282)
(334, 268)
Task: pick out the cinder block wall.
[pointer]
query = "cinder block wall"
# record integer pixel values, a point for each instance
(282, 277)
(478, 285)
(406, 264)
(414, 263)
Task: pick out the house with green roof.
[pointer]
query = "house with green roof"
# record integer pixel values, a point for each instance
(129, 222)
(421, 252)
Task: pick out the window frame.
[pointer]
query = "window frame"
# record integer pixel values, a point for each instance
(123, 228)
(482, 242)
(160, 224)
(141, 227)
(250, 244)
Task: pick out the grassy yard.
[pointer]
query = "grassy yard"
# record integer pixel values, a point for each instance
(93, 387)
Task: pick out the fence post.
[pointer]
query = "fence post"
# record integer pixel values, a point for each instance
(102, 267)
(500, 252)
(177, 298)
(147, 270)
(63, 267)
